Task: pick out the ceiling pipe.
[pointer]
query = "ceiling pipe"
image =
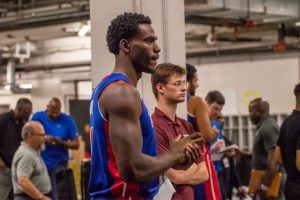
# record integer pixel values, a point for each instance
(10, 72)
(165, 31)
(248, 9)
(224, 4)
(49, 67)
(45, 20)
(237, 51)
(14, 7)
(280, 46)
(265, 8)
(10, 78)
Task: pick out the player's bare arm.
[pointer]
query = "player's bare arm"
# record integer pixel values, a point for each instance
(121, 104)
(199, 107)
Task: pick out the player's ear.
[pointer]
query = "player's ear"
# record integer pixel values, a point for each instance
(124, 45)
(160, 88)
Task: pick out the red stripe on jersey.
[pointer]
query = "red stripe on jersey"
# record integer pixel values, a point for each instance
(119, 188)
(212, 190)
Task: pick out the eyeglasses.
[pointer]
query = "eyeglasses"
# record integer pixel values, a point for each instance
(180, 84)
(39, 134)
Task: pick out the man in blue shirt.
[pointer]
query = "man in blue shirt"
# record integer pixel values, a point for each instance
(61, 135)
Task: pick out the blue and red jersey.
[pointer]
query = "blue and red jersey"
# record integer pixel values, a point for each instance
(209, 190)
(105, 181)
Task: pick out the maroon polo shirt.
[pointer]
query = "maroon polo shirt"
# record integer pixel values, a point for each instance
(165, 131)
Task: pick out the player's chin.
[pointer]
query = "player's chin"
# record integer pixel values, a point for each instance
(181, 99)
(150, 69)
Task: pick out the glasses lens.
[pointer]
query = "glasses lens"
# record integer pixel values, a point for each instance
(181, 84)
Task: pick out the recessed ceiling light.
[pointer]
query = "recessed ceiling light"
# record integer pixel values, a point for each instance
(83, 30)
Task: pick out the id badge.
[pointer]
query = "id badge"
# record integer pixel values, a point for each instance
(225, 162)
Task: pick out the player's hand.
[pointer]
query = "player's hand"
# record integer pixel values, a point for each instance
(48, 138)
(231, 153)
(54, 141)
(241, 192)
(261, 193)
(187, 148)
(46, 198)
(2, 165)
(214, 132)
(58, 141)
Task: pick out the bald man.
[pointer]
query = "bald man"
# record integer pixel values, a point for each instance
(264, 144)
(29, 175)
(61, 135)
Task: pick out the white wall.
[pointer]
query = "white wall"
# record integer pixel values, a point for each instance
(272, 79)
(11, 100)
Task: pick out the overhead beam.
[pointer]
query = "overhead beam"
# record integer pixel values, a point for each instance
(45, 20)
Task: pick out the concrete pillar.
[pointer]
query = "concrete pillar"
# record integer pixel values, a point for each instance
(167, 18)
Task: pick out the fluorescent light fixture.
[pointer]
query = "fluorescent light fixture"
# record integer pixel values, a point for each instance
(83, 30)
(26, 86)
(7, 87)
(297, 23)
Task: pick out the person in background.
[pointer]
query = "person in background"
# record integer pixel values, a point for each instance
(287, 150)
(169, 87)
(266, 136)
(124, 162)
(11, 124)
(86, 139)
(29, 173)
(232, 179)
(61, 135)
(198, 116)
(216, 102)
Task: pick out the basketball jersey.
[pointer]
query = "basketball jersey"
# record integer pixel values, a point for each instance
(209, 190)
(105, 181)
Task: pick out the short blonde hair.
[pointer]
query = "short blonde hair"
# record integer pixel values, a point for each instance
(162, 74)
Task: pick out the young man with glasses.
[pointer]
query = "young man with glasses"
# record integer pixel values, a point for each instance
(169, 87)
(29, 173)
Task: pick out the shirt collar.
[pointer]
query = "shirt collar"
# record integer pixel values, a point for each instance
(263, 120)
(29, 147)
(52, 119)
(296, 111)
(12, 115)
(167, 119)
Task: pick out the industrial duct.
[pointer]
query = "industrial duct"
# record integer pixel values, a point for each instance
(11, 80)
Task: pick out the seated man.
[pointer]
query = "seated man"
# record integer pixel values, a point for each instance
(169, 87)
(29, 173)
